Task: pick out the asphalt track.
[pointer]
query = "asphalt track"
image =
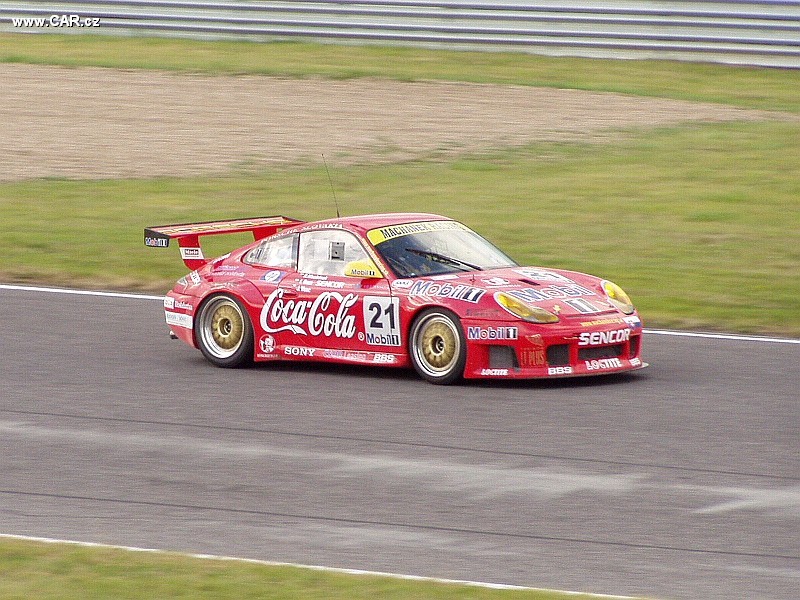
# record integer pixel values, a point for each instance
(680, 481)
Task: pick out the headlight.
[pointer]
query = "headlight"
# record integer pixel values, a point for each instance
(523, 310)
(618, 297)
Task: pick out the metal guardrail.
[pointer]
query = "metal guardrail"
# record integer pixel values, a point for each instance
(753, 32)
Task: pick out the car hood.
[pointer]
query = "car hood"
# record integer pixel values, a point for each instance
(564, 292)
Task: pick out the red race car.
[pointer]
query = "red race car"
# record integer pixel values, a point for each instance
(393, 290)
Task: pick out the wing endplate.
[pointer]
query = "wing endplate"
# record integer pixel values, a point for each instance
(189, 234)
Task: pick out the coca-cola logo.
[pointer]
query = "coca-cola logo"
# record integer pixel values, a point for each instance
(327, 315)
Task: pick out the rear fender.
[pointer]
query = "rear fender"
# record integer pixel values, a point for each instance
(244, 291)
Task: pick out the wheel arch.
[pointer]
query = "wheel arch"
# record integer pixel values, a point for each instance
(243, 290)
(457, 319)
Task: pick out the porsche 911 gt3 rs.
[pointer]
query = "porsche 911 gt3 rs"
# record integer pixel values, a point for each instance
(396, 290)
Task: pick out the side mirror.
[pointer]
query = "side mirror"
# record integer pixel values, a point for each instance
(363, 269)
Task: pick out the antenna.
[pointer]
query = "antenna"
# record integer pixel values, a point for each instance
(335, 202)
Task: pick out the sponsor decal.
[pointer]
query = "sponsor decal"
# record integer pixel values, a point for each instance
(178, 319)
(384, 358)
(382, 321)
(177, 230)
(298, 351)
(195, 277)
(430, 289)
(636, 362)
(633, 322)
(492, 333)
(364, 272)
(603, 363)
(611, 321)
(601, 338)
(582, 305)
(191, 253)
(377, 236)
(273, 277)
(324, 283)
(551, 292)
(231, 270)
(496, 282)
(445, 277)
(494, 372)
(327, 315)
(559, 371)
(355, 356)
(266, 344)
(535, 339)
(483, 313)
(402, 284)
(531, 357)
(388, 339)
(156, 242)
(183, 305)
(542, 275)
(378, 358)
(318, 226)
(169, 302)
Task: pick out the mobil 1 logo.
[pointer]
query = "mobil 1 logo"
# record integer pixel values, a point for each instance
(382, 321)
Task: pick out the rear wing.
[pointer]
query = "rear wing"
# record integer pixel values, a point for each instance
(189, 234)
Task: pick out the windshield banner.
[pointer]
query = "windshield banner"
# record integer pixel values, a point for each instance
(382, 234)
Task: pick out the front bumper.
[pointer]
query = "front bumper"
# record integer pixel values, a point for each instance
(528, 351)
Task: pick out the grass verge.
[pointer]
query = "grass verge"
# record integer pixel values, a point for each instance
(67, 571)
(770, 89)
(700, 224)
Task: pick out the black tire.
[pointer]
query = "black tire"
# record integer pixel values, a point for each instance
(224, 332)
(437, 346)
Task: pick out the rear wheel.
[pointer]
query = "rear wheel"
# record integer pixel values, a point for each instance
(224, 332)
(437, 347)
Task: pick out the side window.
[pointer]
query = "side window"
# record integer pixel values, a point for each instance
(327, 251)
(275, 252)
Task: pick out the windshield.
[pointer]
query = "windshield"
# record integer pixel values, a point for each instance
(435, 248)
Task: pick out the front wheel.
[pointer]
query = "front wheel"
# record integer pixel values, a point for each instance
(437, 347)
(224, 332)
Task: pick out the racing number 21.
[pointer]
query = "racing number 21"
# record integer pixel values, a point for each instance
(377, 315)
(381, 320)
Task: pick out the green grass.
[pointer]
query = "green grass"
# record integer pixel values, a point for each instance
(65, 571)
(772, 89)
(700, 224)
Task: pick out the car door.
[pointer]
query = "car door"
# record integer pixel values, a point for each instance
(319, 312)
(271, 261)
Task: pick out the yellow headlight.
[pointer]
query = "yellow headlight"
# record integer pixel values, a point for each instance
(618, 297)
(523, 310)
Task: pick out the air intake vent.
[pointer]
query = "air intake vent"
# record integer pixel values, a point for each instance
(558, 355)
(502, 357)
(614, 351)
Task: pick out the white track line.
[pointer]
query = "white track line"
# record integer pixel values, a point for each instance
(493, 586)
(715, 336)
(48, 290)
(724, 336)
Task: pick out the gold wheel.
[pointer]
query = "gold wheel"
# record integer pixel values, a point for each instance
(227, 327)
(438, 351)
(439, 344)
(223, 331)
